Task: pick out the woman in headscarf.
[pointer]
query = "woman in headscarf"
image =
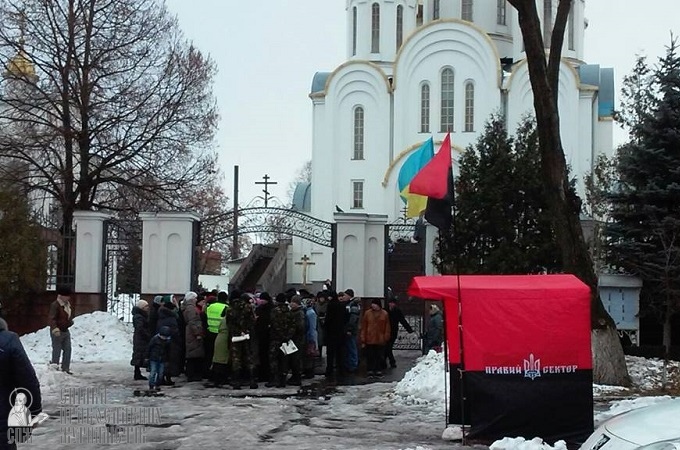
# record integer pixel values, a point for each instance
(140, 338)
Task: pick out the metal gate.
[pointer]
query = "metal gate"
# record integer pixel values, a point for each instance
(122, 274)
(404, 259)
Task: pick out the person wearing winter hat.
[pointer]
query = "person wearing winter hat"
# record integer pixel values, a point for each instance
(352, 329)
(212, 316)
(140, 337)
(296, 359)
(193, 337)
(241, 321)
(61, 319)
(281, 330)
(396, 318)
(262, 324)
(434, 336)
(153, 314)
(158, 355)
(168, 316)
(375, 333)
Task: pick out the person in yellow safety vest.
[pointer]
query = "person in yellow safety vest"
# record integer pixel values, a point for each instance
(214, 314)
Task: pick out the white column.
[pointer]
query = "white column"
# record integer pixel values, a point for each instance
(351, 251)
(167, 252)
(374, 275)
(89, 251)
(431, 240)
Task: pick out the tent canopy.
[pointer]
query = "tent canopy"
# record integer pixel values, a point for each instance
(526, 353)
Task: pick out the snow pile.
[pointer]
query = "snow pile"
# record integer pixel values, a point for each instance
(95, 337)
(622, 406)
(600, 390)
(647, 373)
(452, 433)
(522, 444)
(424, 383)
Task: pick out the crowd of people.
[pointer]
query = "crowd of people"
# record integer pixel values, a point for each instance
(241, 339)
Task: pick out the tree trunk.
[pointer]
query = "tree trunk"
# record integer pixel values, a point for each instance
(608, 359)
(609, 362)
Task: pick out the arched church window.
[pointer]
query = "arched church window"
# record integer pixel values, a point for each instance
(358, 133)
(400, 26)
(375, 28)
(446, 113)
(547, 22)
(425, 108)
(501, 12)
(435, 9)
(469, 106)
(571, 38)
(357, 194)
(466, 10)
(354, 31)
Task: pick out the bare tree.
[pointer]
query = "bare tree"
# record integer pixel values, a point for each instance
(303, 175)
(609, 365)
(103, 99)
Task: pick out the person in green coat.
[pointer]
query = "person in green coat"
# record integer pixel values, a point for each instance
(220, 360)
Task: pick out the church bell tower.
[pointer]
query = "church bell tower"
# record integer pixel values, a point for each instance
(376, 29)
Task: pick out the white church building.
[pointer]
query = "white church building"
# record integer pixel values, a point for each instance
(417, 69)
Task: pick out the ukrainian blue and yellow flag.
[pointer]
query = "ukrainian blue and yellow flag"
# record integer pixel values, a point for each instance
(415, 203)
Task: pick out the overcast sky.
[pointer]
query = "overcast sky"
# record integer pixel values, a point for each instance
(267, 52)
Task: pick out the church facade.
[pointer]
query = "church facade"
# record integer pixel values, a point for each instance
(417, 69)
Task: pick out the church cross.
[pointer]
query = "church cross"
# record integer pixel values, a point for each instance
(304, 262)
(266, 184)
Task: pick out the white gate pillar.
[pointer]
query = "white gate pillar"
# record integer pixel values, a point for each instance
(431, 242)
(167, 252)
(360, 253)
(89, 251)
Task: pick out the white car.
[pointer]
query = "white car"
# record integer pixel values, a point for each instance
(655, 427)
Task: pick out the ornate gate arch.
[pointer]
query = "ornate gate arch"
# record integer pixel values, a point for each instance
(282, 221)
(276, 224)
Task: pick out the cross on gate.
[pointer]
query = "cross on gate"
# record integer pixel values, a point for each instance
(266, 183)
(305, 261)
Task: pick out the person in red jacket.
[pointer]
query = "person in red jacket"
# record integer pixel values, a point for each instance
(375, 333)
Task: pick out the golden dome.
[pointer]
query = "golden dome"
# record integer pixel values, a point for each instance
(20, 66)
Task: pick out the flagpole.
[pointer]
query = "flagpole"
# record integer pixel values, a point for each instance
(456, 262)
(461, 370)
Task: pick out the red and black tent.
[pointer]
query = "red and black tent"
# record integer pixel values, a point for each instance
(526, 355)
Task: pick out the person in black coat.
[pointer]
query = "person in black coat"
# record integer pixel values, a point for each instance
(153, 314)
(337, 316)
(16, 376)
(262, 323)
(140, 338)
(396, 318)
(168, 316)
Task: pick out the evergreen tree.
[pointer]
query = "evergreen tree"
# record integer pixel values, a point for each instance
(644, 236)
(23, 253)
(502, 223)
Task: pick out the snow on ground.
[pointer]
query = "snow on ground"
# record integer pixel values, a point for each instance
(648, 373)
(425, 383)
(409, 414)
(95, 337)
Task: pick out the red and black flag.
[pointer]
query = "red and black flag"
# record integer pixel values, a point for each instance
(435, 181)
